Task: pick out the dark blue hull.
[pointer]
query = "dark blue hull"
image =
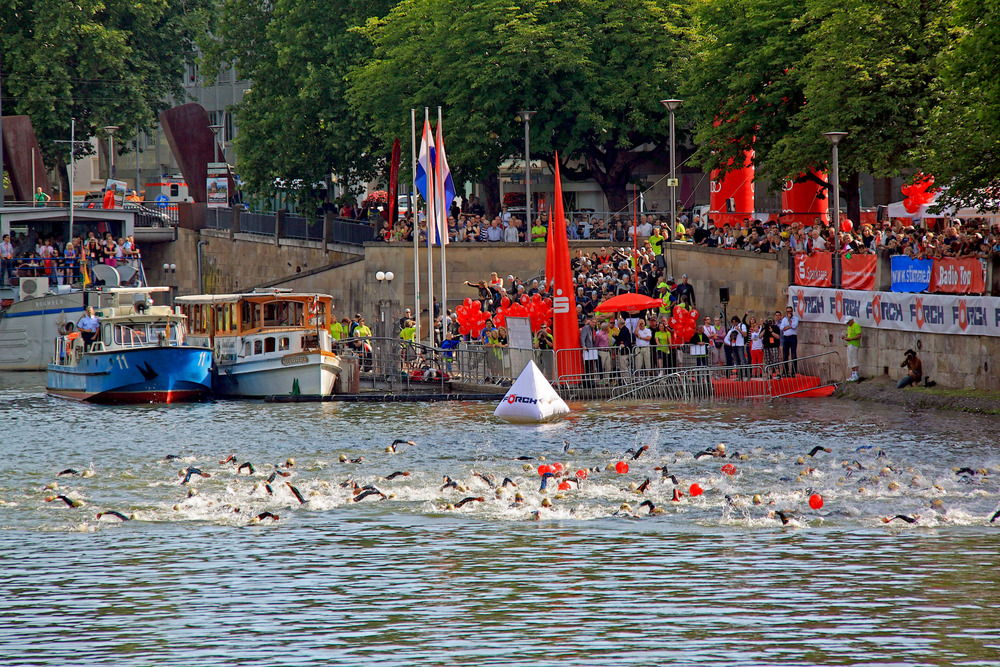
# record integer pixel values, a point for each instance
(137, 375)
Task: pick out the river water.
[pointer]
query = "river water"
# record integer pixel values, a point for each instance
(406, 581)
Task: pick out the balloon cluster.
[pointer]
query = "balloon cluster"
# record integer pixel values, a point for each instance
(683, 322)
(918, 193)
(471, 318)
(536, 309)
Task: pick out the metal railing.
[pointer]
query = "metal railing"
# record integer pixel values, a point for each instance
(258, 223)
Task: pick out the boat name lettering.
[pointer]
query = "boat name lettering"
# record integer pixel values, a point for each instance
(295, 359)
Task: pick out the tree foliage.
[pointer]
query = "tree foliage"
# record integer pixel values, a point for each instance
(102, 62)
(294, 122)
(594, 70)
(962, 146)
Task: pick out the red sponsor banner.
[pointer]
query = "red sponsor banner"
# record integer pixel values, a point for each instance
(858, 272)
(815, 270)
(958, 276)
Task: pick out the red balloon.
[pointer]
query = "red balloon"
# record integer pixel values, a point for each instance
(547, 301)
(564, 486)
(477, 305)
(467, 302)
(729, 469)
(505, 301)
(524, 299)
(846, 225)
(815, 501)
(464, 330)
(581, 474)
(536, 297)
(557, 467)
(696, 489)
(544, 468)
(621, 467)
(694, 315)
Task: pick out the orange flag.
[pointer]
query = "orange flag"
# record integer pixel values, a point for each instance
(566, 329)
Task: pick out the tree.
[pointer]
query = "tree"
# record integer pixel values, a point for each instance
(594, 70)
(962, 147)
(102, 62)
(742, 88)
(294, 122)
(868, 72)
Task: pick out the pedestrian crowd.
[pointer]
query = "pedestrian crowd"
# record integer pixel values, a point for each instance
(61, 263)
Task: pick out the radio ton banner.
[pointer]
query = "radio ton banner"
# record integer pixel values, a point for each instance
(815, 270)
(958, 276)
(858, 271)
(927, 313)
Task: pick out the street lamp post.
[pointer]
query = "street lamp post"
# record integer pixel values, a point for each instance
(110, 129)
(672, 106)
(526, 117)
(383, 278)
(215, 142)
(835, 138)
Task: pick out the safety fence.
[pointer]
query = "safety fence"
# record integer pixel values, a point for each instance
(614, 375)
(287, 226)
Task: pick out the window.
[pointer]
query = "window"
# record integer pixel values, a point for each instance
(283, 344)
(257, 347)
(175, 190)
(269, 344)
(247, 349)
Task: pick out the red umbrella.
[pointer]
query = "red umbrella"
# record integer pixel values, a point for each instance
(629, 302)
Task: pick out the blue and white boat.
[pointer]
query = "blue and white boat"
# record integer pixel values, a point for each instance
(138, 356)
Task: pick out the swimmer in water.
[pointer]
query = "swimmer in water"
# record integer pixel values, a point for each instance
(672, 478)
(230, 459)
(639, 452)
(964, 471)
(171, 457)
(449, 483)
(67, 472)
(463, 501)
(649, 504)
(507, 481)
(486, 479)
(399, 441)
(902, 517)
(69, 501)
(518, 500)
(266, 515)
(677, 496)
(642, 487)
(398, 473)
(190, 471)
(302, 501)
(113, 513)
(248, 466)
(270, 491)
(369, 492)
(995, 515)
(781, 515)
(545, 480)
(817, 449)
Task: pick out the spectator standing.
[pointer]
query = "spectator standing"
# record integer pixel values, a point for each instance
(790, 341)
(643, 337)
(538, 232)
(602, 341)
(685, 292)
(41, 198)
(853, 340)
(6, 260)
(771, 337)
(625, 341)
(588, 345)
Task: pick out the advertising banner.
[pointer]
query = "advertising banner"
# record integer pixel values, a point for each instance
(958, 276)
(928, 313)
(815, 270)
(858, 271)
(910, 275)
(217, 188)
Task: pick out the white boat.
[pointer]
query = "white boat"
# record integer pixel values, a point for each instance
(265, 343)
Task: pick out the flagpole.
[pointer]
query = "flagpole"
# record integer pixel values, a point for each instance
(443, 225)
(416, 228)
(635, 239)
(430, 244)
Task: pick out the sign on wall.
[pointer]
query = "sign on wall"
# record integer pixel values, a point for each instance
(927, 313)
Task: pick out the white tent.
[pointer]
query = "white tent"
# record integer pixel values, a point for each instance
(898, 210)
(530, 399)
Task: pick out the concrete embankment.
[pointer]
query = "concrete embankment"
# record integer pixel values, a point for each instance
(883, 390)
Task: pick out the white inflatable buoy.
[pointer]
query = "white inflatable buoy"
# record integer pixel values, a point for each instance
(531, 399)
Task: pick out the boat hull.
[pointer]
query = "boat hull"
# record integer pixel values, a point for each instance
(29, 328)
(308, 374)
(143, 375)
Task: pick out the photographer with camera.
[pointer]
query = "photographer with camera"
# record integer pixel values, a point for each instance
(915, 370)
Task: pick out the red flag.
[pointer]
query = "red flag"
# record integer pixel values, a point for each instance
(394, 184)
(566, 330)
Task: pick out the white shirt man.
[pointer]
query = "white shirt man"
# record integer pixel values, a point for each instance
(510, 233)
(643, 335)
(645, 227)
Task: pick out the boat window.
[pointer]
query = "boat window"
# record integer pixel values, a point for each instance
(257, 348)
(159, 329)
(247, 349)
(283, 343)
(107, 334)
(247, 319)
(310, 342)
(269, 344)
